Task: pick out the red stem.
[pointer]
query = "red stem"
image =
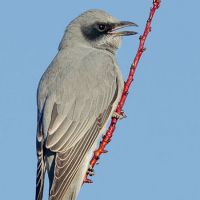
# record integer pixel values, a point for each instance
(107, 137)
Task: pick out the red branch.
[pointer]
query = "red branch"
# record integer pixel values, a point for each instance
(107, 137)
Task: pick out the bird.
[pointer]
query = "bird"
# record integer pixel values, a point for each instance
(76, 97)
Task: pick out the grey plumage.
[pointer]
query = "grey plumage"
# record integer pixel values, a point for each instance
(76, 97)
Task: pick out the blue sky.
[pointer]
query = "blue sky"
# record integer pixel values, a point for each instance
(155, 152)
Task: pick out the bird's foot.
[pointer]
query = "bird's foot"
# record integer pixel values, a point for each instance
(122, 115)
(87, 180)
(90, 171)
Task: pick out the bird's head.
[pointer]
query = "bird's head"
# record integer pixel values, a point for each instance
(96, 28)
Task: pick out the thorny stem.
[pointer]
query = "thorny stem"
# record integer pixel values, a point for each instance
(107, 137)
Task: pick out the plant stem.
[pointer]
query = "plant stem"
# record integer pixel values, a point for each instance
(109, 133)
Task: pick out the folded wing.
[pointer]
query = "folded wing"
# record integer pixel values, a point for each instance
(81, 104)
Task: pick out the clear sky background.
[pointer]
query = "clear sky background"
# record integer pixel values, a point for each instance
(155, 153)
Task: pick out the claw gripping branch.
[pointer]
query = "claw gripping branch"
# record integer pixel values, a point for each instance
(107, 137)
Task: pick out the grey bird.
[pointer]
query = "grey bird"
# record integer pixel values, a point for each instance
(76, 97)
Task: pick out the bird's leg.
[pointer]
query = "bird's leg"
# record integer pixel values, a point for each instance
(122, 115)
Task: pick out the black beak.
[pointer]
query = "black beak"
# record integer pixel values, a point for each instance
(119, 25)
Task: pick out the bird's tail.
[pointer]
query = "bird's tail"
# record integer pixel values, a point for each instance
(40, 170)
(40, 179)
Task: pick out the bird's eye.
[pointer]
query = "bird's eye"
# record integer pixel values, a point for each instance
(101, 27)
